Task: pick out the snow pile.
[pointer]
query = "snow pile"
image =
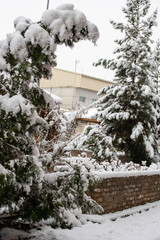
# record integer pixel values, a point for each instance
(90, 113)
(15, 104)
(36, 35)
(114, 168)
(64, 19)
(21, 23)
(138, 223)
(18, 46)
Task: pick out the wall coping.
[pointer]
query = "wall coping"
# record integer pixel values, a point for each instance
(105, 175)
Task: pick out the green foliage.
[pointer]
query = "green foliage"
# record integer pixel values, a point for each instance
(129, 110)
(32, 129)
(7, 190)
(12, 131)
(53, 199)
(100, 144)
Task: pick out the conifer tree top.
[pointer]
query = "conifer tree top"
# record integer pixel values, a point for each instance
(132, 62)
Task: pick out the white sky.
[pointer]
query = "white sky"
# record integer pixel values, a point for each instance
(97, 11)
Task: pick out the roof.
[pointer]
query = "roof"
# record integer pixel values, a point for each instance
(88, 120)
(88, 76)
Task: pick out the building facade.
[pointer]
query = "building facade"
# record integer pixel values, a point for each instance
(75, 89)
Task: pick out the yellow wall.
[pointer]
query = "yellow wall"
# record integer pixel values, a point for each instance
(91, 83)
(63, 78)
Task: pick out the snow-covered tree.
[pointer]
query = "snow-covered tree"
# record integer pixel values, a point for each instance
(128, 109)
(155, 56)
(94, 139)
(27, 55)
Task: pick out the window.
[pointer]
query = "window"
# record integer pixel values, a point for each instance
(93, 100)
(82, 99)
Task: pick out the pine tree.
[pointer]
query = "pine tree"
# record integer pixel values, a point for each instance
(128, 109)
(27, 55)
(155, 57)
(95, 140)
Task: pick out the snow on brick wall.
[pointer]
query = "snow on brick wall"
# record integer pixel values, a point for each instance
(116, 194)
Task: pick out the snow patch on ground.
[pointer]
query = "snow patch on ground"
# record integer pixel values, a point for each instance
(143, 223)
(12, 234)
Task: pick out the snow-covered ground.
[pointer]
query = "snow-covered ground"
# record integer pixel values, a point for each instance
(142, 224)
(137, 223)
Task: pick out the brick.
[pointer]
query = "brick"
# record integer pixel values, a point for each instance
(120, 193)
(98, 190)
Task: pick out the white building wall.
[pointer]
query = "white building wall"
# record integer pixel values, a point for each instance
(89, 96)
(72, 97)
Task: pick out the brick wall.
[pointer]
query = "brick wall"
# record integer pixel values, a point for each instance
(118, 193)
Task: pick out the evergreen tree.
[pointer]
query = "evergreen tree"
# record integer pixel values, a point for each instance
(155, 57)
(128, 109)
(26, 56)
(95, 140)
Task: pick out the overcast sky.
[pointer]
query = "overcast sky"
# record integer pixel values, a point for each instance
(85, 53)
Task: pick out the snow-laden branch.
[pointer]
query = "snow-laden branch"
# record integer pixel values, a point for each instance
(64, 25)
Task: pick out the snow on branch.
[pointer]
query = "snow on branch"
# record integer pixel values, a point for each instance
(62, 21)
(64, 25)
(137, 130)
